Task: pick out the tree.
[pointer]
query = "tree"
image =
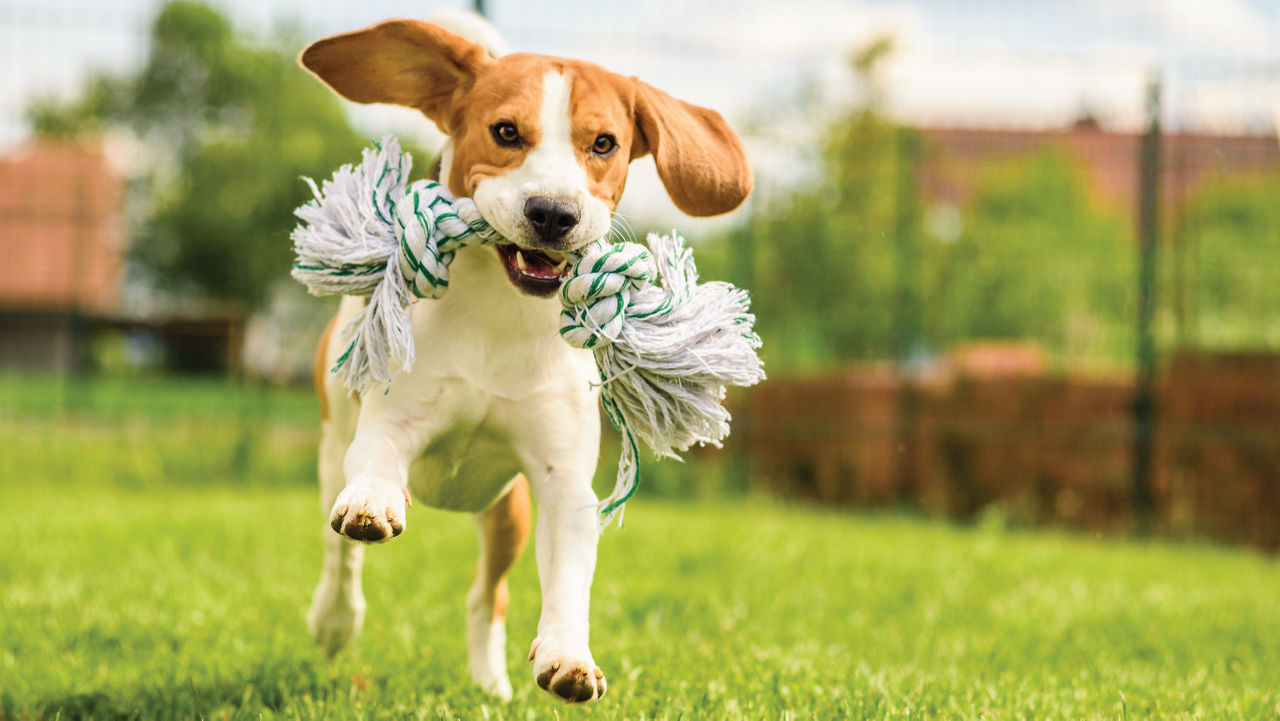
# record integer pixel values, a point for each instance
(821, 265)
(1037, 260)
(1232, 226)
(229, 128)
(842, 270)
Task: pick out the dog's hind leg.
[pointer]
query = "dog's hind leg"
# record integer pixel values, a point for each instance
(337, 607)
(503, 530)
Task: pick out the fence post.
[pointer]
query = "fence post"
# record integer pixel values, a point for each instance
(1144, 410)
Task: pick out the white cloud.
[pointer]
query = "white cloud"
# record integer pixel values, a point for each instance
(1233, 104)
(1007, 89)
(1225, 28)
(1224, 25)
(726, 55)
(782, 32)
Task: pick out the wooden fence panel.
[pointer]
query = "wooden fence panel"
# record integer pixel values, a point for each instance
(1049, 449)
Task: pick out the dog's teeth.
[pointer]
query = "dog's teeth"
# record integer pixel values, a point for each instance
(560, 266)
(520, 263)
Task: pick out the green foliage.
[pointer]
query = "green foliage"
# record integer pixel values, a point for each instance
(1036, 259)
(102, 98)
(821, 269)
(1232, 231)
(843, 269)
(229, 128)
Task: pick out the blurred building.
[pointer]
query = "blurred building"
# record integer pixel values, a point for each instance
(62, 249)
(61, 252)
(1110, 159)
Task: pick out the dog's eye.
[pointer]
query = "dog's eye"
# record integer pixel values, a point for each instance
(604, 144)
(506, 134)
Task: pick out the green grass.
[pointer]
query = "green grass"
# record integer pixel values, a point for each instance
(147, 571)
(153, 433)
(149, 432)
(158, 399)
(189, 603)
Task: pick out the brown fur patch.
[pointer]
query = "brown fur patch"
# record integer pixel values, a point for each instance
(321, 369)
(506, 531)
(456, 84)
(404, 62)
(501, 598)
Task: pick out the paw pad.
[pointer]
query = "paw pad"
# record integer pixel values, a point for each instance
(576, 682)
(368, 516)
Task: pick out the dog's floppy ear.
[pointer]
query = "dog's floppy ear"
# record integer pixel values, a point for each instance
(404, 62)
(700, 159)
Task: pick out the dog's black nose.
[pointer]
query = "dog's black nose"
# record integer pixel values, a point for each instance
(551, 218)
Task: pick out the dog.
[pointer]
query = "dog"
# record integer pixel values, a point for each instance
(497, 406)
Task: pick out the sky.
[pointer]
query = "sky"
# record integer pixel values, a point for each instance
(984, 63)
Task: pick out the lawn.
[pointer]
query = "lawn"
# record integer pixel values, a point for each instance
(185, 599)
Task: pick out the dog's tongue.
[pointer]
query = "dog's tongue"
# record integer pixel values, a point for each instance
(532, 263)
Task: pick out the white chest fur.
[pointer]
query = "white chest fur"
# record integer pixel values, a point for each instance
(491, 375)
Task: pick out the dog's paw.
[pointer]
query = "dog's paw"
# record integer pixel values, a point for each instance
(372, 512)
(571, 677)
(499, 688)
(334, 619)
(487, 647)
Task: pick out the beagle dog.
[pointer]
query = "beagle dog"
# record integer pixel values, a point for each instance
(497, 406)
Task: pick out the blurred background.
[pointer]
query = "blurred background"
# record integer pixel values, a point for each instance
(1010, 260)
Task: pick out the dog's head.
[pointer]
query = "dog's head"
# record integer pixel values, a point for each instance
(542, 144)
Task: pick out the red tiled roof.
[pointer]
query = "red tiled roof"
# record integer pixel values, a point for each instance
(1110, 159)
(61, 229)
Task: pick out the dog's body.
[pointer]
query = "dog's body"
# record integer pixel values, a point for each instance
(496, 397)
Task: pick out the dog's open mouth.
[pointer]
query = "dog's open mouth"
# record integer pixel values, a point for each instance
(534, 272)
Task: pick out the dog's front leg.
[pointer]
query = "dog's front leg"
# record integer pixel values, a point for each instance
(567, 532)
(391, 431)
(559, 459)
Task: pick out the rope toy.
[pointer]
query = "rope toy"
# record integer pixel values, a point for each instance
(665, 345)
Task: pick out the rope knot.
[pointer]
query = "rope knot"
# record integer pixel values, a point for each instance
(370, 232)
(431, 226)
(597, 297)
